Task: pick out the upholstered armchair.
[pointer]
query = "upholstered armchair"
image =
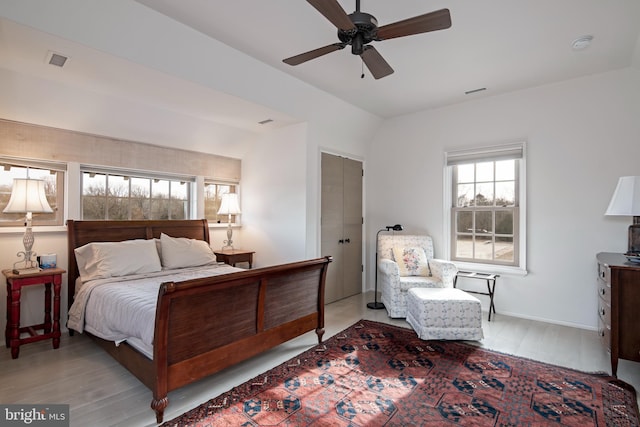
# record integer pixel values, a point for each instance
(405, 262)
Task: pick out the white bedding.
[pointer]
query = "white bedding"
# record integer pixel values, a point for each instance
(123, 308)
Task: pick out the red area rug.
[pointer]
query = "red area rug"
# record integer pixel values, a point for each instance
(374, 374)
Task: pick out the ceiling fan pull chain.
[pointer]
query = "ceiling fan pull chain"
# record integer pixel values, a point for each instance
(362, 67)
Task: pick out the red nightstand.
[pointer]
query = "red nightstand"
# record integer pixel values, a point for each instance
(51, 330)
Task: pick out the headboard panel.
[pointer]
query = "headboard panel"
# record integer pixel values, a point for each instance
(79, 233)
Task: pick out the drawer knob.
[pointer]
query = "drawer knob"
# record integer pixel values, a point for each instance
(602, 311)
(601, 332)
(603, 291)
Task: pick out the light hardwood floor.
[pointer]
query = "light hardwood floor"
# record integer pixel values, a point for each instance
(102, 393)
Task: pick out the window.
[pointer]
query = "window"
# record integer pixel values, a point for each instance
(213, 192)
(486, 198)
(133, 196)
(51, 174)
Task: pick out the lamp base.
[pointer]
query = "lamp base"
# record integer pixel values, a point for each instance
(634, 237)
(375, 305)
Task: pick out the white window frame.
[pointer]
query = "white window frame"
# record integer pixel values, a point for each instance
(59, 206)
(496, 152)
(221, 221)
(190, 180)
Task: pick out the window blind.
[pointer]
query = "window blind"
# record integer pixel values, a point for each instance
(492, 153)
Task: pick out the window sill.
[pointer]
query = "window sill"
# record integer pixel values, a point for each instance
(491, 268)
(36, 229)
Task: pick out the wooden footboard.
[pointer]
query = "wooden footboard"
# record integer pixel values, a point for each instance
(205, 325)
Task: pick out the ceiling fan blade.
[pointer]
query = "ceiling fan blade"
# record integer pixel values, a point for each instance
(332, 10)
(312, 54)
(375, 63)
(437, 20)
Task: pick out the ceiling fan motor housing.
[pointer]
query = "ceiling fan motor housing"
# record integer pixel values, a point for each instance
(365, 32)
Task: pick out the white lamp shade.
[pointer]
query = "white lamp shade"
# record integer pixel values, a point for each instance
(229, 205)
(27, 195)
(626, 197)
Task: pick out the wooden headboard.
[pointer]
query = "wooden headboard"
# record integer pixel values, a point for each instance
(79, 233)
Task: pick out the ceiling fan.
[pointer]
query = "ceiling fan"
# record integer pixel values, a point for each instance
(359, 29)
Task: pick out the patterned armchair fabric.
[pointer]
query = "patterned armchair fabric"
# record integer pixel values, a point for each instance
(393, 286)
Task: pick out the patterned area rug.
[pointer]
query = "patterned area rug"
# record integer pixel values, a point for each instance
(374, 374)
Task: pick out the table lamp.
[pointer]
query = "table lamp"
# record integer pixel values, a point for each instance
(28, 197)
(229, 206)
(626, 202)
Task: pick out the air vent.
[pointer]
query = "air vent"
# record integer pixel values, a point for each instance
(56, 59)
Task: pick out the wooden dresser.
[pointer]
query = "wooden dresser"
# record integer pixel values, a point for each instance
(619, 307)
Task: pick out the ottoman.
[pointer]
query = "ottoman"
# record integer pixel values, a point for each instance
(444, 314)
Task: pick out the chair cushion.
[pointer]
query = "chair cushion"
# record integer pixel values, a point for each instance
(409, 282)
(412, 261)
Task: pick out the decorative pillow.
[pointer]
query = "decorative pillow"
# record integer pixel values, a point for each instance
(100, 260)
(411, 261)
(180, 252)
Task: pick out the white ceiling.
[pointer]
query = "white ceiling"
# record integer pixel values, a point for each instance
(500, 45)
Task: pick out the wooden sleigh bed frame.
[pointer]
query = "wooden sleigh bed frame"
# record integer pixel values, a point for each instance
(205, 325)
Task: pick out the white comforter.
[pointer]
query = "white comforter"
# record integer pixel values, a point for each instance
(124, 308)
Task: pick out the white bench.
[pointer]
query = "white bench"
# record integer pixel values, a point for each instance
(444, 314)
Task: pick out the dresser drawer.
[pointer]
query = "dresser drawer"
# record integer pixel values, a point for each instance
(604, 273)
(604, 312)
(604, 332)
(604, 291)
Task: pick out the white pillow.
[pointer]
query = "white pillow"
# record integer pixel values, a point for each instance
(411, 261)
(113, 259)
(179, 252)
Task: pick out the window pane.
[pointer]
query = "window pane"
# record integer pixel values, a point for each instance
(484, 172)
(464, 222)
(466, 173)
(140, 198)
(504, 222)
(160, 189)
(465, 195)
(505, 170)
(483, 248)
(484, 194)
(505, 193)
(484, 222)
(94, 200)
(464, 247)
(117, 197)
(504, 249)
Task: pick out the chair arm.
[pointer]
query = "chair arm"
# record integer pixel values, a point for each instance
(388, 267)
(444, 270)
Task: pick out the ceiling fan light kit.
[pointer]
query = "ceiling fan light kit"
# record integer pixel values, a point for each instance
(359, 29)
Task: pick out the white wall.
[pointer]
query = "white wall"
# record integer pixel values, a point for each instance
(274, 197)
(582, 135)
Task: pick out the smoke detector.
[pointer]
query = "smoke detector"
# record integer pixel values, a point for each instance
(581, 42)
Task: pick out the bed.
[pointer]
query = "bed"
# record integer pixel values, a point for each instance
(201, 325)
